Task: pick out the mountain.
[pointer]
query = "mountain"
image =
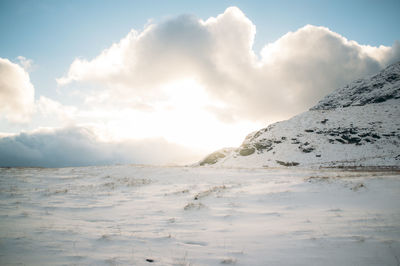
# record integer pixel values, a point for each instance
(356, 125)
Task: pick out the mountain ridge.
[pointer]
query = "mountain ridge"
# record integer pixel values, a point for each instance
(355, 125)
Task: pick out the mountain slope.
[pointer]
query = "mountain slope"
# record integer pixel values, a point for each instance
(356, 125)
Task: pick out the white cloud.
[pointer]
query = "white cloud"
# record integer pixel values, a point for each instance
(289, 76)
(16, 92)
(307, 64)
(51, 108)
(25, 62)
(80, 146)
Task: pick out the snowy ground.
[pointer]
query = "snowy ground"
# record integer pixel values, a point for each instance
(131, 215)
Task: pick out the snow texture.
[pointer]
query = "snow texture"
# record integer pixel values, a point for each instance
(136, 215)
(357, 125)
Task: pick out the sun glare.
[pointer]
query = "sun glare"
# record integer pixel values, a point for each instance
(183, 118)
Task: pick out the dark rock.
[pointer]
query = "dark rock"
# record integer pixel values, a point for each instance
(350, 139)
(307, 150)
(382, 98)
(251, 137)
(375, 136)
(378, 85)
(287, 163)
(388, 135)
(363, 135)
(353, 131)
(295, 141)
(340, 140)
(392, 77)
(257, 134)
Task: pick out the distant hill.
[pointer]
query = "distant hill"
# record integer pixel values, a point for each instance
(356, 125)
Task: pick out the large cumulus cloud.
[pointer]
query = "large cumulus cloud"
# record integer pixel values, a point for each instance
(80, 146)
(16, 92)
(287, 77)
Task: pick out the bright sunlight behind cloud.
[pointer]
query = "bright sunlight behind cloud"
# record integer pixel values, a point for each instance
(289, 76)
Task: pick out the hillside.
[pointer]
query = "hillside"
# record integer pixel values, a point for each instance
(356, 125)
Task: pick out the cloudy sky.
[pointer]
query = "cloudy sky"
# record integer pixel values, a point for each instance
(159, 82)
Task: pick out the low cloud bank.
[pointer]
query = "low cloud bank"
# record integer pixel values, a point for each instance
(79, 146)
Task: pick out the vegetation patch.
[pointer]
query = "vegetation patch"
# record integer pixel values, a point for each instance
(247, 150)
(261, 146)
(212, 158)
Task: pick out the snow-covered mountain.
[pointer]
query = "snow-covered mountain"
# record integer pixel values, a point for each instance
(356, 125)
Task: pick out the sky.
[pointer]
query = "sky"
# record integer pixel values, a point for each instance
(167, 82)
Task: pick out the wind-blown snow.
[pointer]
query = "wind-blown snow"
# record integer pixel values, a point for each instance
(133, 215)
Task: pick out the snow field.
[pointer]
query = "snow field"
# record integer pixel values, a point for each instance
(142, 215)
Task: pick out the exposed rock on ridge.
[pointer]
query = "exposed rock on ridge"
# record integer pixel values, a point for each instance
(378, 88)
